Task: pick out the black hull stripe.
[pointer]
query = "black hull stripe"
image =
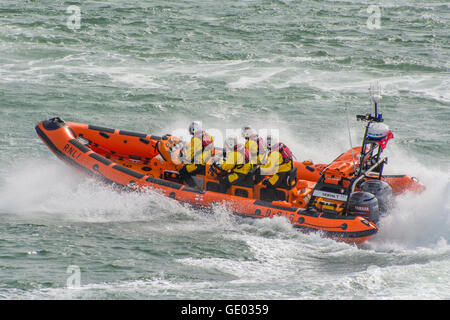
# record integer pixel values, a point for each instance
(340, 234)
(335, 216)
(394, 175)
(97, 128)
(130, 172)
(165, 183)
(317, 226)
(190, 189)
(270, 205)
(101, 159)
(132, 134)
(79, 145)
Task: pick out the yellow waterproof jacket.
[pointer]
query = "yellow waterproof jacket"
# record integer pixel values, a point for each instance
(275, 164)
(199, 154)
(252, 147)
(235, 162)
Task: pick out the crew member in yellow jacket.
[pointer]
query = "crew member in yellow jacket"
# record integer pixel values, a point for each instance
(258, 151)
(236, 164)
(201, 149)
(279, 165)
(255, 145)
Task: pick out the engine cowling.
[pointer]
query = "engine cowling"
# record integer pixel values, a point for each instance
(382, 191)
(364, 204)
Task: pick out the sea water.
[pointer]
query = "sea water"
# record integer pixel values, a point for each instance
(300, 67)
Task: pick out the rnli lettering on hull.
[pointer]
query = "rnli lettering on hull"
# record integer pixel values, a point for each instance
(330, 195)
(71, 151)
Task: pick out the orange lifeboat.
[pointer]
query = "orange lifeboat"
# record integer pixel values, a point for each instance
(138, 161)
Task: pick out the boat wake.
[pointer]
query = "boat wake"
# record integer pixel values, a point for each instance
(48, 191)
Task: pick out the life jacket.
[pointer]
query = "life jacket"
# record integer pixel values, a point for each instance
(244, 151)
(206, 138)
(207, 145)
(260, 142)
(285, 152)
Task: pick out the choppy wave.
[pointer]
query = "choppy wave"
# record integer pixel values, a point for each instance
(301, 67)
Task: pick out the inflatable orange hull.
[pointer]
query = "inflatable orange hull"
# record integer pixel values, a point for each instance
(130, 160)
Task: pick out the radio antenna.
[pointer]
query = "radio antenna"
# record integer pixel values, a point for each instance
(375, 96)
(350, 136)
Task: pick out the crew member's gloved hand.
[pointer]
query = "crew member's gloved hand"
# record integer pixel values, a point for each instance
(213, 168)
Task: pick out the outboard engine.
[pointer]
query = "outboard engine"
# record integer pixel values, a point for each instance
(364, 204)
(381, 190)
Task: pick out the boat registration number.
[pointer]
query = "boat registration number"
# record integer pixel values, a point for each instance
(330, 195)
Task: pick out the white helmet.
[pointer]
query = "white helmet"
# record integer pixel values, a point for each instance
(271, 141)
(247, 131)
(230, 142)
(194, 127)
(377, 130)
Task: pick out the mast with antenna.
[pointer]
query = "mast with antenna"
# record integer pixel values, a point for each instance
(370, 149)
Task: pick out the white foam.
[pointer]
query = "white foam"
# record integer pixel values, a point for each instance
(417, 220)
(257, 76)
(51, 190)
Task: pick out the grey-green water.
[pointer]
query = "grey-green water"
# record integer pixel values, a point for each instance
(153, 66)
